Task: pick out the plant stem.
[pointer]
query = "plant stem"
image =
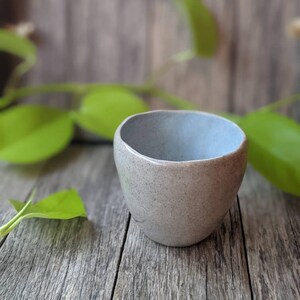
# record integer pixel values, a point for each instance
(281, 103)
(172, 61)
(72, 88)
(78, 89)
(172, 99)
(20, 70)
(5, 229)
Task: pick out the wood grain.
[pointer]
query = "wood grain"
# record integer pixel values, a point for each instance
(114, 41)
(76, 259)
(256, 62)
(265, 58)
(213, 269)
(271, 221)
(202, 81)
(254, 254)
(86, 41)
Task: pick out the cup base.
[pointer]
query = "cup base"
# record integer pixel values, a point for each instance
(179, 243)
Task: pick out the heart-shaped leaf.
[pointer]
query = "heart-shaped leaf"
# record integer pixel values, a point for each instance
(63, 205)
(17, 45)
(201, 24)
(104, 109)
(31, 133)
(274, 143)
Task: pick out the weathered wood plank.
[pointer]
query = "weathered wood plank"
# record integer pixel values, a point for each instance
(87, 41)
(265, 58)
(255, 64)
(118, 41)
(76, 259)
(271, 222)
(203, 81)
(213, 269)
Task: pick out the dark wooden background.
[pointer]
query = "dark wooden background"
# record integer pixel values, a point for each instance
(117, 40)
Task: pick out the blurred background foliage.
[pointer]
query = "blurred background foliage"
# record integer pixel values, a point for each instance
(35, 132)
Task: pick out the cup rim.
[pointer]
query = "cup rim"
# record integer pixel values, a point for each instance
(171, 162)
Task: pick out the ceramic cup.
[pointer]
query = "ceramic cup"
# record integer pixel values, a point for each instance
(180, 172)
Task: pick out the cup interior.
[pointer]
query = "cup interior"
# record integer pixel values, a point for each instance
(181, 135)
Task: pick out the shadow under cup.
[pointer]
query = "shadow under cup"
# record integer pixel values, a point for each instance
(180, 172)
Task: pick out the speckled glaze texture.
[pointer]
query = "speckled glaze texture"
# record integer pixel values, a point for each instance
(180, 172)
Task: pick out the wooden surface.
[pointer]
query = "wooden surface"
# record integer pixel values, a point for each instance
(116, 40)
(86, 42)
(271, 222)
(254, 254)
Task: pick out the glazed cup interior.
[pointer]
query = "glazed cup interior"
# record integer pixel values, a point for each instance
(181, 135)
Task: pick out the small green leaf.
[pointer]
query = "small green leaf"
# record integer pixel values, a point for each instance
(62, 205)
(31, 133)
(104, 109)
(17, 45)
(274, 143)
(202, 26)
(65, 204)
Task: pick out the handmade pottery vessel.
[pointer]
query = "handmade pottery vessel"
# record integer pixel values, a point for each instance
(180, 172)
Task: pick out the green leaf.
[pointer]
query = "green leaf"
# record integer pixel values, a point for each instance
(63, 205)
(31, 133)
(104, 109)
(17, 45)
(201, 24)
(274, 143)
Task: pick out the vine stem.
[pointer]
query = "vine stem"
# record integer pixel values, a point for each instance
(71, 88)
(20, 70)
(171, 99)
(78, 89)
(6, 228)
(171, 62)
(281, 103)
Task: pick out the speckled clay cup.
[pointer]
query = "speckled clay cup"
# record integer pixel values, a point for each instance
(180, 172)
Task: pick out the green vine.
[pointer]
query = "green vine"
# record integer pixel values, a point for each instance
(32, 133)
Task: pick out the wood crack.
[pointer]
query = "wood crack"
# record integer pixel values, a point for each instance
(206, 280)
(3, 240)
(120, 256)
(245, 248)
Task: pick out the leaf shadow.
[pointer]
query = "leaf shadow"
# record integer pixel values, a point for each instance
(31, 171)
(63, 235)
